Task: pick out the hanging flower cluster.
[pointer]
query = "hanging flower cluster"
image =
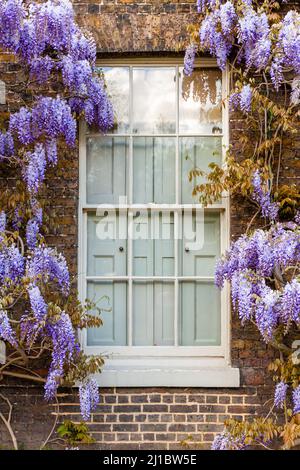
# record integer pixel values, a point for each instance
(42, 266)
(264, 271)
(89, 397)
(252, 259)
(260, 44)
(225, 441)
(48, 41)
(260, 41)
(50, 47)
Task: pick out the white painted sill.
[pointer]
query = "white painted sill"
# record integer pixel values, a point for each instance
(168, 372)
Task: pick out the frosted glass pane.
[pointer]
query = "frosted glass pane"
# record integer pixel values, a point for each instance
(200, 101)
(117, 82)
(106, 169)
(153, 256)
(202, 262)
(111, 298)
(197, 152)
(154, 100)
(153, 314)
(200, 314)
(106, 256)
(154, 170)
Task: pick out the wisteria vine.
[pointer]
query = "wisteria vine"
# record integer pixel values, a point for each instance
(260, 43)
(38, 312)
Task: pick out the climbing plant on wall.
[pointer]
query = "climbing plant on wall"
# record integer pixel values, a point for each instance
(55, 86)
(259, 43)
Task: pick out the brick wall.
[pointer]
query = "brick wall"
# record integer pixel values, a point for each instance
(134, 418)
(142, 418)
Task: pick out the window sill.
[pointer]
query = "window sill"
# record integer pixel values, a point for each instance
(170, 372)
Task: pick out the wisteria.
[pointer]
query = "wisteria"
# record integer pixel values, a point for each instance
(89, 397)
(248, 262)
(46, 39)
(50, 118)
(263, 198)
(189, 59)
(2, 222)
(261, 42)
(6, 145)
(280, 394)
(263, 268)
(46, 264)
(225, 441)
(50, 48)
(32, 230)
(37, 302)
(64, 341)
(296, 400)
(6, 331)
(12, 264)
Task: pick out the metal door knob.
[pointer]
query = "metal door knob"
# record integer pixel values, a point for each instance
(187, 249)
(121, 249)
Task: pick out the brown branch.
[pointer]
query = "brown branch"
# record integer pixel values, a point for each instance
(7, 422)
(24, 376)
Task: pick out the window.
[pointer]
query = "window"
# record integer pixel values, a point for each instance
(147, 249)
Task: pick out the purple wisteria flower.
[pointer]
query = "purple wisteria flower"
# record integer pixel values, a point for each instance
(228, 17)
(295, 95)
(296, 400)
(89, 397)
(189, 59)
(49, 44)
(267, 312)
(225, 441)
(289, 40)
(12, 264)
(12, 14)
(32, 231)
(7, 146)
(2, 222)
(20, 124)
(65, 347)
(37, 303)
(6, 331)
(46, 264)
(290, 303)
(249, 262)
(246, 98)
(64, 341)
(34, 171)
(263, 198)
(241, 100)
(214, 40)
(276, 72)
(280, 394)
(52, 384)
(261, 45)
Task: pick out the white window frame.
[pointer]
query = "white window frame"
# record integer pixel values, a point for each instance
(201, 366)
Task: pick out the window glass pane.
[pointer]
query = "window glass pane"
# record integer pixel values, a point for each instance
(200, 101)
(153, 313)
(111, 298)
(153, 257)
(197, 152)
(200, 314)
(117, 81)
(154, 100)
(200, 257)
(106, 169)
(154, 170)
(106, 251)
